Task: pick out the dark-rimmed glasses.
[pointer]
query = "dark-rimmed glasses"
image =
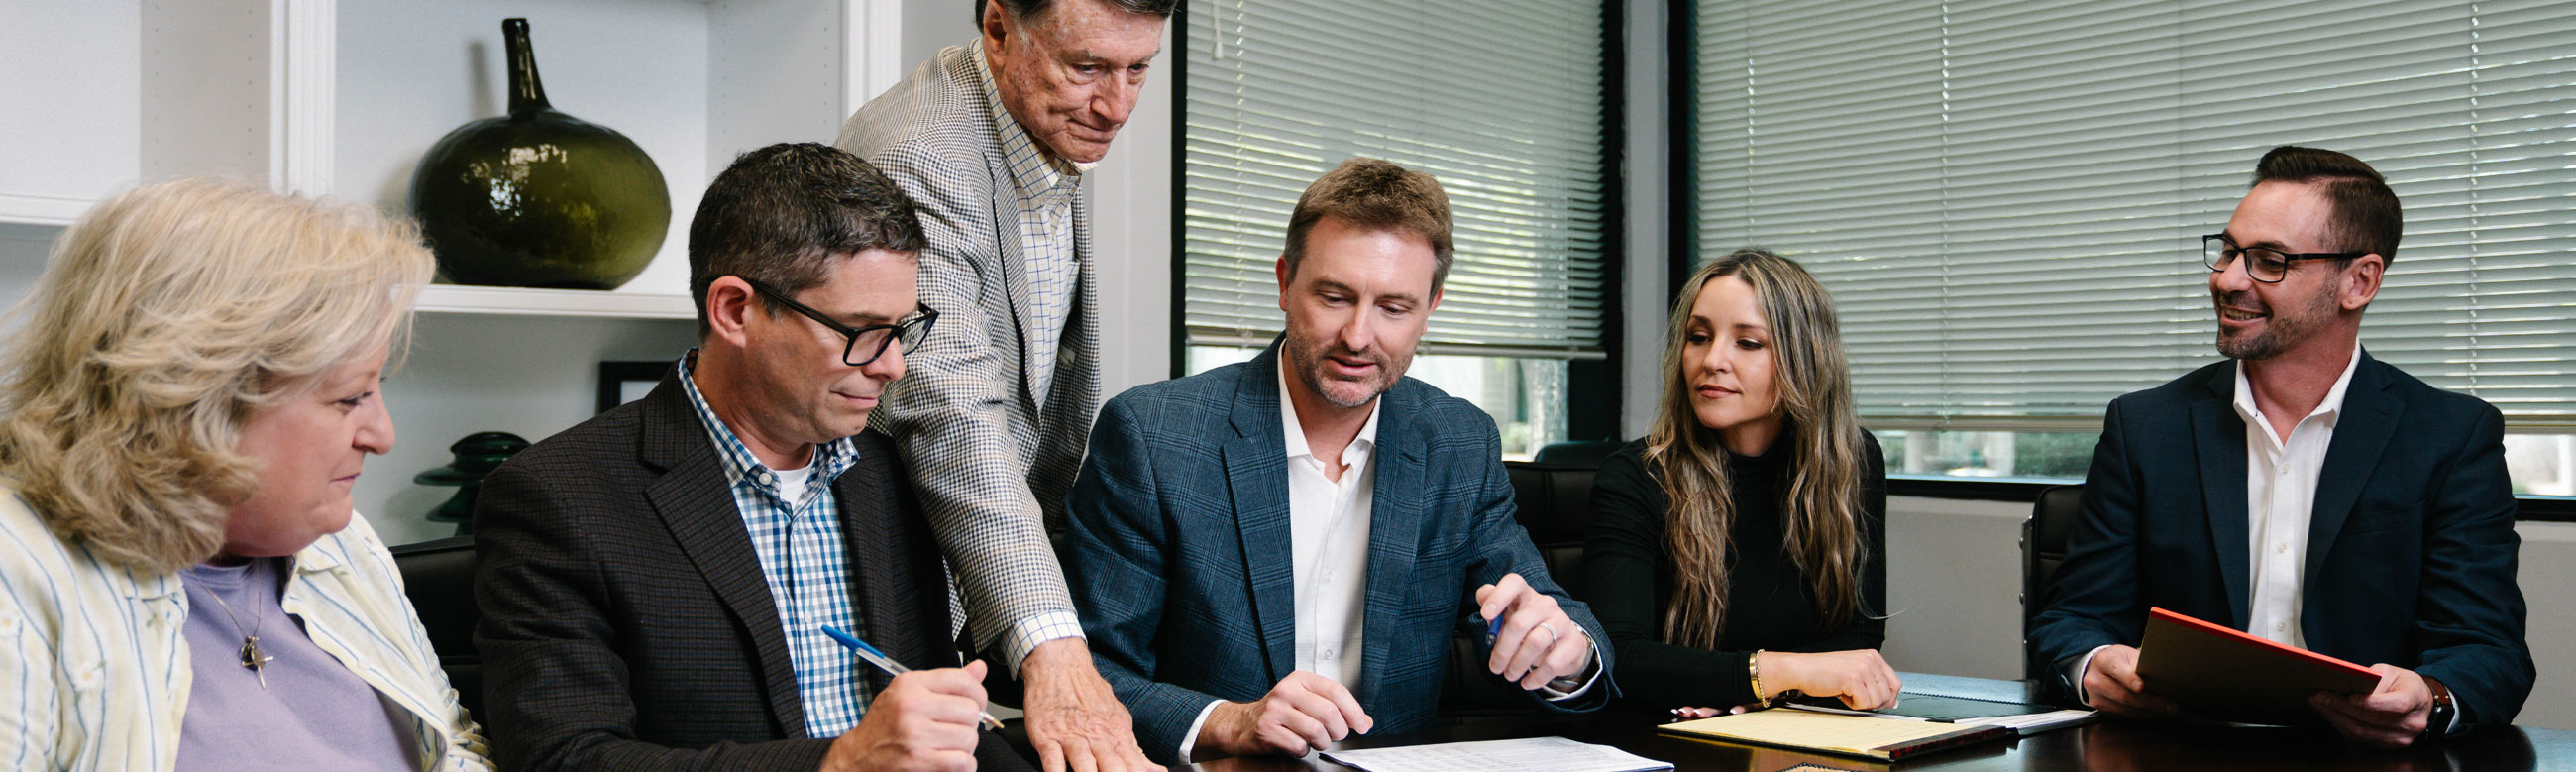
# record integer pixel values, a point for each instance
(2264, 264)
(865, 344)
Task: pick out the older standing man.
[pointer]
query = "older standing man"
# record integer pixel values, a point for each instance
(993, 139)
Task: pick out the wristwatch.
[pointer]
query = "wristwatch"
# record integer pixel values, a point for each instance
(2437, 723)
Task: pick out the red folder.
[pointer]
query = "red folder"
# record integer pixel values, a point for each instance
(2217, 672)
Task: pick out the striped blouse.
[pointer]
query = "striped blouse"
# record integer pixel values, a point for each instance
(94, 673)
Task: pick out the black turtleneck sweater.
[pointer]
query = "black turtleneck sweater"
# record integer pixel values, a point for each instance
(1628, 567)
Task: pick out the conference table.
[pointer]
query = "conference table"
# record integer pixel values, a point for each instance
(2106, 745)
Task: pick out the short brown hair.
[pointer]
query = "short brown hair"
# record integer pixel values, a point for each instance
(1376, 195)
(2366, 215)
(779, 214)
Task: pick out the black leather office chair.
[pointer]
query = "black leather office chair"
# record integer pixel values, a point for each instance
(2043, 546)
(438, 575)
(1555, 505)
(1585, 453)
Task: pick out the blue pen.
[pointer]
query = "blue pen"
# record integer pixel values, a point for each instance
(885, 663)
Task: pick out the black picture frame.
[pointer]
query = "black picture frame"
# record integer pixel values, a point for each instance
(623, 382)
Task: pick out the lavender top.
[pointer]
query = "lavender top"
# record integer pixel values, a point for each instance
(312, 714)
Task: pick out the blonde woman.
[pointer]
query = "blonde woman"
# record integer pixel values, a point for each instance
(182, 585)
(1735, 552)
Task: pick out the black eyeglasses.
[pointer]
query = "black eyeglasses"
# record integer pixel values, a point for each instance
(865, 343)
(2265, 265)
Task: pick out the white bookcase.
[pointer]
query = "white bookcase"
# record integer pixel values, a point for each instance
(341, 98)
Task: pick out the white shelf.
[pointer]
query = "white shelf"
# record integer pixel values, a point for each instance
(341, 97)
(41, 210)
(515, 301)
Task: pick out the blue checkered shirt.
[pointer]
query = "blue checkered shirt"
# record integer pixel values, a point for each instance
(806, 563)
(1044, 186)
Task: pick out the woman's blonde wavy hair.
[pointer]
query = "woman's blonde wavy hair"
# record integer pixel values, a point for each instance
(166, 315)
(1822, 504)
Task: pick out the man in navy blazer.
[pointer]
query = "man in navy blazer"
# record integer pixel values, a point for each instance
(1261, 574)
(2273, 492)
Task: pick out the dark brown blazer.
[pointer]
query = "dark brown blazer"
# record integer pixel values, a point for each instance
(626, 624)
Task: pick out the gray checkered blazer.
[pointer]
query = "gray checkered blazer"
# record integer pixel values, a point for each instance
(991, 462)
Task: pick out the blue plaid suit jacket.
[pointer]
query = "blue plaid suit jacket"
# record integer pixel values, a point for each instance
(1177, 548)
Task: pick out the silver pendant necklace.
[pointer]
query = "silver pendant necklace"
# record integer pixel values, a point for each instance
(251, 656)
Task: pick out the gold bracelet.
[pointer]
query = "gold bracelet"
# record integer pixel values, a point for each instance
(1753, 669)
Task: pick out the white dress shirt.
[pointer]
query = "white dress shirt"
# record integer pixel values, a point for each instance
(2280, 494)
(1328, 527)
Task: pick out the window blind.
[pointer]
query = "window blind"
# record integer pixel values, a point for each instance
(2005, 198)
(1502, 100)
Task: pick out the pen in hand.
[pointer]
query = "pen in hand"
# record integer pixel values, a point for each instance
(1563, 683)
(885, 663)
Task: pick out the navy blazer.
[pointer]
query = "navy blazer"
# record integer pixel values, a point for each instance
(1177, 548)
(2411, 546)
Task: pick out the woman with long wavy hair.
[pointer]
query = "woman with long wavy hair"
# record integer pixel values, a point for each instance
(1737, 551)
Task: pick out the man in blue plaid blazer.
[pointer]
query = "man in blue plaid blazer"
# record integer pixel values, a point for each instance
(1272, 555)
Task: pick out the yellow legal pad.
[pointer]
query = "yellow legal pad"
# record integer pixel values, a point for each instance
(1866, 736)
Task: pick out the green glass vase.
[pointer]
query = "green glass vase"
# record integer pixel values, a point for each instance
(538, 198)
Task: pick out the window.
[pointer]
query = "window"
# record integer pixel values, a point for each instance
(2006, 197)
(1502, 100)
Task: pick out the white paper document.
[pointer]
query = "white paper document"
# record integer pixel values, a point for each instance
(1542, 754)
(2030, 723)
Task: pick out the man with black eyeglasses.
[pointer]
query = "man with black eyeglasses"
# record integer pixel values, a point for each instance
(2274, 492)
(656, 581)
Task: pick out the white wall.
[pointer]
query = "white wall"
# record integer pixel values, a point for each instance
(1954, 576)
(1648, 164)
(930, 25)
